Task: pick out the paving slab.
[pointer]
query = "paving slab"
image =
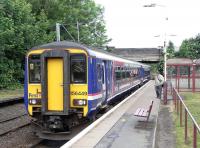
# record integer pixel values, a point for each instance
(130, 131)
(165, 134)
(124, 130)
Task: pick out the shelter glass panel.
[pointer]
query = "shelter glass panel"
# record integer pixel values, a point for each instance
(197, 72)
(197, 83)
(185, 83)
(171, 71)
(185, 70)
(173, 81)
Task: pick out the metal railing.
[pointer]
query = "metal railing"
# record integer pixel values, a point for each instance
(179, 106)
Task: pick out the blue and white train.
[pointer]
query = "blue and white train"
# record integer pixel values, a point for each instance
(66, 82)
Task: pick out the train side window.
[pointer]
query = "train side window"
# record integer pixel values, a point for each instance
(102, 75)
(123, 72)
(127, 74)
(34, 69)
(99, 72)
(117, 73)
(78, 68)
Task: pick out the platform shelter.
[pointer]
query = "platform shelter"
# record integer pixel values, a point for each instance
(184, 74)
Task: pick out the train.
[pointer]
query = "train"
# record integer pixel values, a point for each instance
(67, 82)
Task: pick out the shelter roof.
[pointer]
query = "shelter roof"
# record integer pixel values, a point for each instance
(179, 61)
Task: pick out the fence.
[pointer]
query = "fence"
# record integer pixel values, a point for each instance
(179, 106)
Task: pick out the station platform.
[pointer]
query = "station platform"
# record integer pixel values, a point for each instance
(121, 129)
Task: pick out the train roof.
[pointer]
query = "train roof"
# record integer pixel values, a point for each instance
(90, 50)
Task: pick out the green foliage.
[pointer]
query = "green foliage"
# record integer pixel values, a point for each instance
(160, 66)
(85, 16)
(190, 48)
(28, 23)
(110, 48)
(11, 93)
(19, 31)
(154, 68)
(192, 101)
(170, 50)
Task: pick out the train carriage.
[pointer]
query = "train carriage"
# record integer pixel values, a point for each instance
(66, 82)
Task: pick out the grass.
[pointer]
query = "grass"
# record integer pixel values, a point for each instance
(6, 94)
(192, 101)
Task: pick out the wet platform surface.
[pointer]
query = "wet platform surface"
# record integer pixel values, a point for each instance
(122, 129)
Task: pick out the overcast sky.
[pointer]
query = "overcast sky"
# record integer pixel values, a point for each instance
(129, 24)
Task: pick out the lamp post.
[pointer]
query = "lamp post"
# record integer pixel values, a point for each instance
(164, 47)
(165, 61)
(165, 53)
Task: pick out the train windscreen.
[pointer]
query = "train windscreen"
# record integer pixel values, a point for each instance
(78, 68)
(34, 69)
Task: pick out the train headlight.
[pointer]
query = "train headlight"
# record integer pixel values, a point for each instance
(79, 102)
(34, 101)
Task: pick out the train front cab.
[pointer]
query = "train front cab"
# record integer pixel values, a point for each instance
(57, 87)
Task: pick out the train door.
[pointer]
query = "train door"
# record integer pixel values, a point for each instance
(109, 78)
(55, 81)
(103, 81)
(55, 84)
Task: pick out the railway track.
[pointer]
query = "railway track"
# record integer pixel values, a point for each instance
(11, 101)
(12, 115)
(48, 143)
(14, 122)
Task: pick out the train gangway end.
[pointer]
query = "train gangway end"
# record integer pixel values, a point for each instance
(119, 127)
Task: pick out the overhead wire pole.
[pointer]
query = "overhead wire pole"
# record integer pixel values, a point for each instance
(68, 33)
(78, 30)
(58, 32)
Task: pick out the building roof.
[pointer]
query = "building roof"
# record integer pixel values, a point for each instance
(139, 54)
(197, 61)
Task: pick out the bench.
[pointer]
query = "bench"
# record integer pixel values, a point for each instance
(141, 112)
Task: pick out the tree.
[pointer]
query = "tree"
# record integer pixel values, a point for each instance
(19, 31)
(84, 14)
(28, 23)
(170, 50)
(160, 66)
(190, 48)
(13, 16)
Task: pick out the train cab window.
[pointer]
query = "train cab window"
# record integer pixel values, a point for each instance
(34, 69)
(78, 68)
